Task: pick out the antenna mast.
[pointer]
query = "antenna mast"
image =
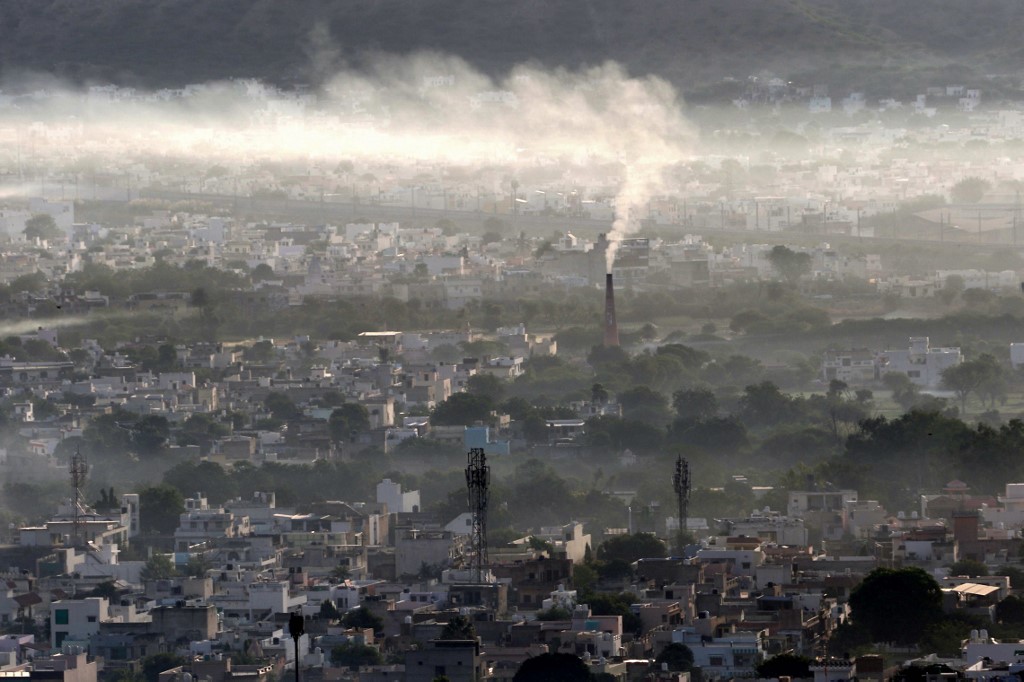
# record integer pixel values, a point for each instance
(78, 470)
(681, 485)
(478, 480)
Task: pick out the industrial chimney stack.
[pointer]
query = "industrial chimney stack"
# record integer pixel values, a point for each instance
(611, 327)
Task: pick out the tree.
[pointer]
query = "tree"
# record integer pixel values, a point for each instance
(970, 376)
(42, 226)
(554, 613)
(953, 287)
(791, 265)
(150, 434)
(486, 385)
(349, 419)
(896, 605)
(159, 509)
(34, 281)
(969, 568)
(155, 664)
(462, 409)
(197, 566)
(354, 655)
(328, 611)
(540, 545)
(678, 657)
(158, 567)
(765, 405)
(784, 665)
(458, 627)
(717, 434)
(904, 391)
(108, 500)
(969, 190)
(641, 403)
(208, 320)
(605, 604)
(630, 548)
(262, 272)
(281, 406)
(1015, 574)
(106, 434)
(363, 618)
(977, 298)
(695, 404)
(535, 428)
(553, 668)
(1010, 610)
(216, 484)
(107, 590)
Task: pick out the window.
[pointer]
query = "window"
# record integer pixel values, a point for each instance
(91, 619)
(60, 616)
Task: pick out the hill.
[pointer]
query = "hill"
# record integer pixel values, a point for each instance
(878, 46)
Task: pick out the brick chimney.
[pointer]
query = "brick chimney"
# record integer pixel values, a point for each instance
(611, 326)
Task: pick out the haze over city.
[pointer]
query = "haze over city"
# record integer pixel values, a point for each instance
(553, 341)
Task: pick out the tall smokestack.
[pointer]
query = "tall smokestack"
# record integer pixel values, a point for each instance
(611, 326)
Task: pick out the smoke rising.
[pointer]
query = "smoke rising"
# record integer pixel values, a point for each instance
(600, 127)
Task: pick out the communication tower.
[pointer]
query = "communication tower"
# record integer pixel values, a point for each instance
(478, 480)
(79, 469)
(681, 485)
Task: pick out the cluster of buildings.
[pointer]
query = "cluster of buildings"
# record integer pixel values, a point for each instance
(377, 373)
(922, 363)
(766, 584)
(297, 262)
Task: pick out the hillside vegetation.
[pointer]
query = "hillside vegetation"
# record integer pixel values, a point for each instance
(875, 45)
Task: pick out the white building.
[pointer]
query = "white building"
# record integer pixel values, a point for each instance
(1010, 513)
(201, 523)
(1017, 355)
(771, 526)
(854, 366)
(921, 363)
(390, 493)
(76, 619)
(730, 656)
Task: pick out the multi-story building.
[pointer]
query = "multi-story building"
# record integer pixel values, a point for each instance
(852, 366)
(200, 523)
(921, 363)
(76, 619)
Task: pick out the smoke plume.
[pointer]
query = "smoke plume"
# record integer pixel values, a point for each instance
(598, 128)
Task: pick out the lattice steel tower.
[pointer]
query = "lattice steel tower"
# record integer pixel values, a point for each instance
(681, 484)
(78, 469)
(478, 480)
